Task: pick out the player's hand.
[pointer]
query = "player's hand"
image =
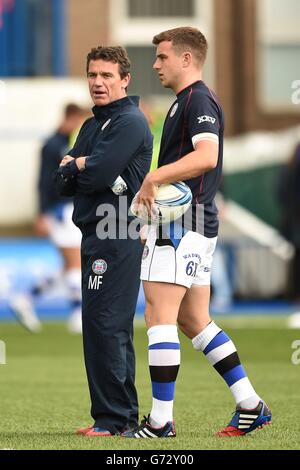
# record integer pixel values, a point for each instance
(41, 226)
(146, 196)
(67, 159)
(144, 234)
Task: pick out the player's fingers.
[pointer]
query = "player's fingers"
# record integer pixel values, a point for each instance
(141, 210)
(148, 205)
(144, 232)
(154, 211)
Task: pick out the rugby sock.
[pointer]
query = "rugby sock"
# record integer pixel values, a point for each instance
(222, 354)
(73, 283)
(41, 287)
(164, 361)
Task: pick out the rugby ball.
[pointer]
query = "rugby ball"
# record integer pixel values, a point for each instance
(171, 202)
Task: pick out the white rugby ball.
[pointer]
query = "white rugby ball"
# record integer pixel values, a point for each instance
(171, 202)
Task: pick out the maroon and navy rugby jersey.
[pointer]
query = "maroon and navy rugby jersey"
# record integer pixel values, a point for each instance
(194, 116)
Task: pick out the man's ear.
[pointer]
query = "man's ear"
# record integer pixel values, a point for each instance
(186, 59)
(125, 81)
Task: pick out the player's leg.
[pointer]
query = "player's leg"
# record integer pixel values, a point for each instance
(206, 336)
(22, 306)
(168, 268)
(162, 306)
(67, 238)
(162, 303)
(194, 314)
(222, 286)
(163, 297)
(72, 278)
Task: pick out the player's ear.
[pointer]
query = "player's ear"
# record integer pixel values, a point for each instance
(186, 59)
(125, 81)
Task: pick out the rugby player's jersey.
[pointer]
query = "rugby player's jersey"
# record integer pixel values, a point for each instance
(196, 115)
(53, 150)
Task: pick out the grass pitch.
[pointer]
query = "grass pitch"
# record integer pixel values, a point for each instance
(44, 396)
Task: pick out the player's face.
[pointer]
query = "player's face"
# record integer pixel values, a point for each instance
(168, 65)
(105, 82)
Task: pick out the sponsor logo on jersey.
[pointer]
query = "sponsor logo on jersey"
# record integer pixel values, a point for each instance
(146, 252)
(173, 110)
(95, 282)
(206, 119)
(99, 266)
(105, 124)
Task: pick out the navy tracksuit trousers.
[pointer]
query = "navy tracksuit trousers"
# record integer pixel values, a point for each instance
(110, 284)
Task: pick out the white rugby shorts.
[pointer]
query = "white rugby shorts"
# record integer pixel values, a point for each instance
(186, 261)
(63, 232)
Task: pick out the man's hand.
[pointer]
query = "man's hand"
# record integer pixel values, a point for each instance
(67, 159)
(146, 196)
(80, 162)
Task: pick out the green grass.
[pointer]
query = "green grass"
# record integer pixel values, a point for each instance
(44, 395)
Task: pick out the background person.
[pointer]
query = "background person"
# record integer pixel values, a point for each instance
(221, 276)
(55, 221)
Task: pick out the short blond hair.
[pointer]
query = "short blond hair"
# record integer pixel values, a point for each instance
(185, 38)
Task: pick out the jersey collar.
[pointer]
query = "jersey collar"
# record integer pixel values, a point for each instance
(186, 90)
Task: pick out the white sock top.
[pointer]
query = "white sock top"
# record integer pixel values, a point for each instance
(204, 338)
(163, 334)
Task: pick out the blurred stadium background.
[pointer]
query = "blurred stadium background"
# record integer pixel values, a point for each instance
(253, 65)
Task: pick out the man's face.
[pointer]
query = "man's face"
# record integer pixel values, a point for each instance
(105, 82)
(168, 65)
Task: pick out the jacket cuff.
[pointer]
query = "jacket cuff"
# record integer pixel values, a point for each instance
(71, 169)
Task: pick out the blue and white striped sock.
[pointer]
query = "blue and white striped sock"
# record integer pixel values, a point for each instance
(164, 361)
(222, 354)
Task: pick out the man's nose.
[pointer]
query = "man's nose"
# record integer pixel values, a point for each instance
(98, 80)
(155, 65)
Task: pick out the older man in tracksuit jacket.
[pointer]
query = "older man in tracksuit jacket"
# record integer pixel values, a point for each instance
(116, 143)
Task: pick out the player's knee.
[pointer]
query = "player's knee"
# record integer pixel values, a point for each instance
(185, 329)
(151, 318)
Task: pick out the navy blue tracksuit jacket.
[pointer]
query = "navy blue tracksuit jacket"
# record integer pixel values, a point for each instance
(117, 142)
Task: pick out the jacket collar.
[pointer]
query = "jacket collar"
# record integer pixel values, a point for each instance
(104, 112)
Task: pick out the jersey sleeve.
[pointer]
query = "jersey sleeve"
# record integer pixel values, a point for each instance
(203, 119)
